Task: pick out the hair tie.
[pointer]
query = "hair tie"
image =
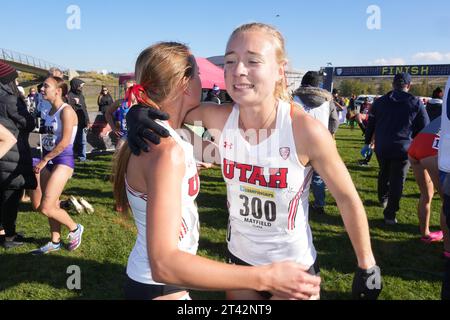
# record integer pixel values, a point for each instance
(137, 91)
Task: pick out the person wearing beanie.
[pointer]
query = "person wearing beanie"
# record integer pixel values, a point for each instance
(319, 104)
(7, 73)
(16, 170)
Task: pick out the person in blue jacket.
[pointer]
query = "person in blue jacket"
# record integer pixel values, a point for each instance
(395, 119)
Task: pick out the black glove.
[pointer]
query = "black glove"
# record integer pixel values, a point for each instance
(367, 284)
(141, 125)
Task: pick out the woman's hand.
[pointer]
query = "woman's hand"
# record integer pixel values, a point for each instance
(290, 280)
(41, 165)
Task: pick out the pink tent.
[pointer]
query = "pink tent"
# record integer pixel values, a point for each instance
(210, 74)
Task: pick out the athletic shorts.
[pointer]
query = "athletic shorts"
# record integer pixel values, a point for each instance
(59, 160)
(141, 291)
(422, 147)
(232, 259)
(68, 161)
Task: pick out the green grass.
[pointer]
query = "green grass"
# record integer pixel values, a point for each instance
(411, 269)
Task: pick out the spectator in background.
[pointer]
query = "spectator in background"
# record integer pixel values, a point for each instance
(55, 72)
(77, 101)
(351, 112)
(104, 100)
(434, 106)
(116, 116)
(213, 95)
(16, 171)
(338, 101)
(394, 119)
(31, 100)
(319, 104)
(362, 117)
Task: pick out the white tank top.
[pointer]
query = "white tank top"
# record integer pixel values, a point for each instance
(267, 190)
(321, 113)
(138, 267)
(54, 130)
(444, 147)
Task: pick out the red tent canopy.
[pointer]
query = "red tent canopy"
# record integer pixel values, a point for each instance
(210, 74)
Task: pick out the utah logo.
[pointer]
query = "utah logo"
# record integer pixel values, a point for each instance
(285, 152)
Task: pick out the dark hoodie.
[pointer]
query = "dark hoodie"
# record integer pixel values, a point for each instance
(434, 108)
(314, 97)
(80, 107)
(16, 169)
(395, 119)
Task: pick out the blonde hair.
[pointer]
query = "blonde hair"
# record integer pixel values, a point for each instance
(281, 90)
(161, 69)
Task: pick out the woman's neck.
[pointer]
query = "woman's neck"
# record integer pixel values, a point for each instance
(175, 111)
(57, 103)
(261, 116)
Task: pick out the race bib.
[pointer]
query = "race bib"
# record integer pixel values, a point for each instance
(436, 143)
(49, 142)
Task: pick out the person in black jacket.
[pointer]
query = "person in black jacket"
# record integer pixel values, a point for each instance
(16, 169)
(77, 101)
(104, 100)
(395, 119)
(434, 106)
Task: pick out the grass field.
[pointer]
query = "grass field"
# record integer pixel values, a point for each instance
(411, 269)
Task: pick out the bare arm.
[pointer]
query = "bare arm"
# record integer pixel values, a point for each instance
(7, 141)
(315, 145)
(211, 115)
(173, 266)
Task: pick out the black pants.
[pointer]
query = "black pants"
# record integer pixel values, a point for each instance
(391, 179)
(9, 206)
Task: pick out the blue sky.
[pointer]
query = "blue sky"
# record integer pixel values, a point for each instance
(114, 32)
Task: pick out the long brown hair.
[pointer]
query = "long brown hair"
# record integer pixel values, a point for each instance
(160, 69)
(281, 90)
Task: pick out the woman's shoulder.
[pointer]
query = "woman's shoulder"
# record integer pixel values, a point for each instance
(168, 151)
(68, 111)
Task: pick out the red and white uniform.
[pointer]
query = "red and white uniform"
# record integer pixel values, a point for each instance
(267, 190)
(138, 267)
(426, 143)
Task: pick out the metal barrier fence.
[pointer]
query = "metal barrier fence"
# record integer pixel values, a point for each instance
(13, 56)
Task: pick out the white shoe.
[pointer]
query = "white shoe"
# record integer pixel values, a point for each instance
(76, 204)
(87, 206)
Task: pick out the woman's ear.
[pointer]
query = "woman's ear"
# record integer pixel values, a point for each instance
(282, 70)
(185, 85)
